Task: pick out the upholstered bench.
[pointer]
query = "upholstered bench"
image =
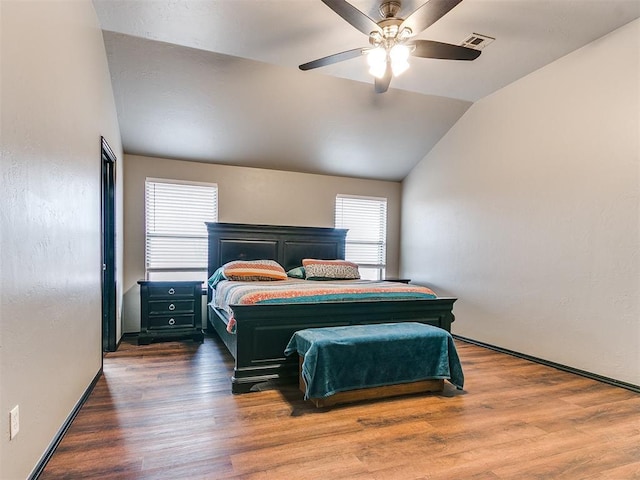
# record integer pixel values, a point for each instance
(345, 364)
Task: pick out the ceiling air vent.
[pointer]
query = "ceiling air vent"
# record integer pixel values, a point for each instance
(477, 41)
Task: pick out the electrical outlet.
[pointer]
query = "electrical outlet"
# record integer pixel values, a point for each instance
(14, 426)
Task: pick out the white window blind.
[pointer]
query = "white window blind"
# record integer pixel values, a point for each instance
(176, 234)
(366, 244)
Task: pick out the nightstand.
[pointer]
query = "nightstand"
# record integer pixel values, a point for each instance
(170, 310)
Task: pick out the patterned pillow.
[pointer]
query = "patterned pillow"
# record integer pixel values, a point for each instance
(297, 272)
(330, 269)
(254, 270)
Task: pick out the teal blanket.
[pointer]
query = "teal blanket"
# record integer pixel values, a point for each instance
(338, 359)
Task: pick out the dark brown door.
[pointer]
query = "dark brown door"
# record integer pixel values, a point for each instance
(108, 248)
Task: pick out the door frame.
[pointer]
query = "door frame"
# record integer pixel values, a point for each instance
(108, 246)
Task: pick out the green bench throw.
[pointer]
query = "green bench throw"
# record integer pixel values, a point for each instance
(338, 359)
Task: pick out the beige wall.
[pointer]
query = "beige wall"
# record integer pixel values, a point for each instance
(56, 103)
(528, 211)
(245, 195)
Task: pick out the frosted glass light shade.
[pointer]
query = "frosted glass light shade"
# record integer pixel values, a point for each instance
(399, 56)
(377, 60)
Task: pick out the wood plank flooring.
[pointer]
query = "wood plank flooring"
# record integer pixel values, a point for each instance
(165, 411)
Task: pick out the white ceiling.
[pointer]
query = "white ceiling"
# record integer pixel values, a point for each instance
(217, 81)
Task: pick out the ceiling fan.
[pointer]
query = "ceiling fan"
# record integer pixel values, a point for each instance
(391, 39)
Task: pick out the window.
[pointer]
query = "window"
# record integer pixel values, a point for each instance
(176, 235)
(366, 245)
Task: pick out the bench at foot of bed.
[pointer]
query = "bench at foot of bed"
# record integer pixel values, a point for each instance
(372, 393)
(344, 364)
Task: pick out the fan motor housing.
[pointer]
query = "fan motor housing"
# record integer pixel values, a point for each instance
(389, 9)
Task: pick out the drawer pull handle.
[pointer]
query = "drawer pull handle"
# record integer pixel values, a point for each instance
(172, 307)
(171, 291)
(172, 321)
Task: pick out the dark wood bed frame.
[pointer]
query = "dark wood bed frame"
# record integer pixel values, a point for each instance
(263, 331)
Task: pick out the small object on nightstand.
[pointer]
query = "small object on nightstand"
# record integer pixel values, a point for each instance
(399, 280)
(170, 310)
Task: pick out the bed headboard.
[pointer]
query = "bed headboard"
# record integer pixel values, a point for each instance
(284, 244)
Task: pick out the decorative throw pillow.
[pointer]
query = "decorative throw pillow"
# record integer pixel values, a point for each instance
(254, 270)
(330, 269)
(297, 272)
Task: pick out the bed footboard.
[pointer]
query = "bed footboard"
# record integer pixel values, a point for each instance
(263, 331)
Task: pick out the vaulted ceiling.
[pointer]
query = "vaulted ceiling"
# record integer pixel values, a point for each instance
(218, 81)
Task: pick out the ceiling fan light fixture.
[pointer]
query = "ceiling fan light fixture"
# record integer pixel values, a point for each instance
(399, 55)
(404, 35)
(399, 67)
(375, 38)
(390, 31)
(377, 60)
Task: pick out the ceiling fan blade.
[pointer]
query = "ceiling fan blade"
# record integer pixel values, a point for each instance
(445, 51)
(427, 14)
(354, 16)
(382, 84)
(335, 58)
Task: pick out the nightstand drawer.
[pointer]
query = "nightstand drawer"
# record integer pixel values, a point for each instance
(164, 307)
(170, 291)
(170, 321)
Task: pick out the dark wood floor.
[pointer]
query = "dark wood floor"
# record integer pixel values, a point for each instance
(165, 411)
